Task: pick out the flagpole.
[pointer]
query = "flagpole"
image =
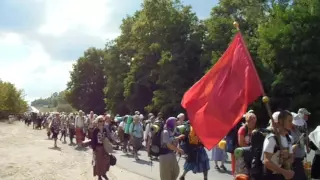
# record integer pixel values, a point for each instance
(265, 100)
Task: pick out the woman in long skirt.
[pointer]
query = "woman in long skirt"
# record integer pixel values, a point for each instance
(219, 155)
(101, 159)
(197, 160)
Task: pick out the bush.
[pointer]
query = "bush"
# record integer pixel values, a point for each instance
(64, 108)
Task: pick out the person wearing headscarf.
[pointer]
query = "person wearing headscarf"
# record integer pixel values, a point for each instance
(136, 133)
(314, 144)
(300, 139)
(47, 123)
(160, 117)
(71, 127)
(180, 119)
(55, 127)
(197, 159)
(91, 118)
(168, 164)
(148, 133)
(101, 159)
(245, 131)
(63, 128)
(126, 137)
(79, 124)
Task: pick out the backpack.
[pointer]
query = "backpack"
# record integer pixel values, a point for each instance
(232, 138)
(156, 148)
(191, 149)
(255, 165)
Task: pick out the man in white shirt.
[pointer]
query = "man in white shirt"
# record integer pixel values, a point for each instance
(278, 156)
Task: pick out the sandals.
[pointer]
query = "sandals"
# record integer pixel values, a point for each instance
(105, 177)
(223, 168)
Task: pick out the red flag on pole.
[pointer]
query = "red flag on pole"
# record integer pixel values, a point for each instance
(220, 98)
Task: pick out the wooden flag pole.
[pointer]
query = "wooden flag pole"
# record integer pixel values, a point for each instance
(265, 100)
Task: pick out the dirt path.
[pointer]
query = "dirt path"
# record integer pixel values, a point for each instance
(26, 154)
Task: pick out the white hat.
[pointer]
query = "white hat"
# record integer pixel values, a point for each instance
(298, 119)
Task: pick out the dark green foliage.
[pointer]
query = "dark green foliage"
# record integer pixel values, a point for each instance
(163, 49)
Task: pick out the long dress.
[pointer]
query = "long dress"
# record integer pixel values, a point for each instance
(101, 159)
(79, 123)
(197, 160)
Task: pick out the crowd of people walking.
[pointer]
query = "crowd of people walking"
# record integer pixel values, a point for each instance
(256, 153)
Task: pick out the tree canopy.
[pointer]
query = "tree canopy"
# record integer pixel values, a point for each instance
(11, 100)
(164, 48)
(56, 102)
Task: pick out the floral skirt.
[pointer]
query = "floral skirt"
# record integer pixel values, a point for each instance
(201, 163)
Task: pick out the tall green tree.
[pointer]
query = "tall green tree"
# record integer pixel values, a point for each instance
(87, 80)
(289, 48)
(179, 64)
(116, 69)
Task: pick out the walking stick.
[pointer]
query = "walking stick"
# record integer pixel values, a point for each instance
(265, 100)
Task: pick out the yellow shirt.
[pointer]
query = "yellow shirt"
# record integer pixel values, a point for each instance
(193, 139)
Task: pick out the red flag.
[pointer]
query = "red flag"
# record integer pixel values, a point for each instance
(220, 98)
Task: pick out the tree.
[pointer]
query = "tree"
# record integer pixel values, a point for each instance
(164, 48)
(116, 69)
(11, 100)
(87, 80)
(53, 101)
(288, 48)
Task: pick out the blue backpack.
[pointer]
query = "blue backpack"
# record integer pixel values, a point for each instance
(232, 138)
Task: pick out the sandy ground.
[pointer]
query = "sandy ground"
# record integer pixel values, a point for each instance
(27, 154)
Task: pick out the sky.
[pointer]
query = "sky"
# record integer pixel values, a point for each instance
(41, 39)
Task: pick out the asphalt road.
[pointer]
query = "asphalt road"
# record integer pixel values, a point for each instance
(143, 167)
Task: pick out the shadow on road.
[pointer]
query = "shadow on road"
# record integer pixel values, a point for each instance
(225, 172)
(127, 155)
(55, 148)
(144, 162)
(81, 148)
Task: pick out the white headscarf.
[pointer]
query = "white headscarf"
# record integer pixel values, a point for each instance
(298, 119)
(314, 136)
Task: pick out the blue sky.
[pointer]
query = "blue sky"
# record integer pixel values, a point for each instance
(41, 39)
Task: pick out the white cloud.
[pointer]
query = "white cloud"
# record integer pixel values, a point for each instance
(28, 59)
(35, 72)
(40, 39)
(85, 15)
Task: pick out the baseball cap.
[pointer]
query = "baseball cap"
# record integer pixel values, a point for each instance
(304, 111)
